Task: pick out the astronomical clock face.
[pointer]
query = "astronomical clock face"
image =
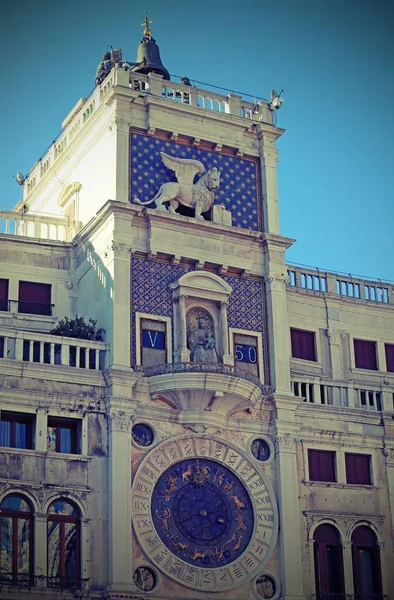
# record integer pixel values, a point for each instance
(203, 513)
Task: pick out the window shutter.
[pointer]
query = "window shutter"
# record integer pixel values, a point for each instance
(350, 468)
(303, 344)
(39, 293)
(313, 464)
(3, 289)
(358, 469)
(365, 354)
(389, 357)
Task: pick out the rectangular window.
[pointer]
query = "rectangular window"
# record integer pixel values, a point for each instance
(153, 342)
(34, 298)
(365, 354)
(303, 344)
(358, 468)
(63, 435)
(321, 465)
(246, 353)
(389, 348)
(4, 294)
(16, 430)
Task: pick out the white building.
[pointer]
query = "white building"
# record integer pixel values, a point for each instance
(232, 438)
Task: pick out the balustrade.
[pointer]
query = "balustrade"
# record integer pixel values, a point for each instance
(327, 282)
(35, 225)
(331, 393)
(52, 350)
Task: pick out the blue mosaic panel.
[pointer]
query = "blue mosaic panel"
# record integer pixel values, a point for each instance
(245, 308)
(151, 294)
(238, 187)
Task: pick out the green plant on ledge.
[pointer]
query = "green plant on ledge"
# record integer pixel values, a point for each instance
(78, 328)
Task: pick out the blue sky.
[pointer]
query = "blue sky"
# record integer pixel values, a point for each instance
(333, 59)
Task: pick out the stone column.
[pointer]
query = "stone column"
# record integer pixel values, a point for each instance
(182, 354)
(40, 547)
(119, 495)
(119, 270)
(122, 158)
(41, 443)
(226, 357)
(335, 336)
(278, 331)
(290, 536)
(268, 160)
(348, 567)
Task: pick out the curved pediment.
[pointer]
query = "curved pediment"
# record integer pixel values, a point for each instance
(202, 284)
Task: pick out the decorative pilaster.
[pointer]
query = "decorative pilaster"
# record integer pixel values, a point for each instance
(226, 358)
(335, 336)
(40, 545)
(278, 330)
(269, 158)
(119, 494)
(121, 128)
(118, 265)
(183, 353)
(290, 529)
(41, 443)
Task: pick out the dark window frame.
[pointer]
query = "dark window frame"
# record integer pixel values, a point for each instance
(358, 468)
(365, 354)
(327, 548)
(74, 425)
(303, 344)
(321, 465)
(16, 515)
(63, 580)
(364, 539)
(4, 291)
(15, 418)
(389, 352)
(26, 306)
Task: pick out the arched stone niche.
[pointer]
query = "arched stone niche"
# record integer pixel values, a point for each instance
(68, 202)
(201, 296)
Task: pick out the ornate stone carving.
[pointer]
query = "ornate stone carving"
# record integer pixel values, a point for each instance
(200, 336)
(202, 428)
(119, 248)
(336, 335)
(345, 522)
(277, 280)
(286, 442)
(120, 420)
(199, 195)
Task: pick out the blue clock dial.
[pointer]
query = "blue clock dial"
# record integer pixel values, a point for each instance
(202, 512)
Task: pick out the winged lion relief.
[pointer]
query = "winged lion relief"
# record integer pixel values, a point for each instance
(199, 195)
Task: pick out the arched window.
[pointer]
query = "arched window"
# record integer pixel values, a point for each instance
(16, 541)
(366, 563)
(328, 563)
(64, 542)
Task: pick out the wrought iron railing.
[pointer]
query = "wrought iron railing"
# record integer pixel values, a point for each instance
(66, 583)
(192, 367)
(24, 580)
(336, 596)
(344, 596)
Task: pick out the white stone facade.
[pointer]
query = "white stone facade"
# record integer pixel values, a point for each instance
(139, 271)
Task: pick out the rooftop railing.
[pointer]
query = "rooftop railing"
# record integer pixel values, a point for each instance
(154, 85)
(338, 284)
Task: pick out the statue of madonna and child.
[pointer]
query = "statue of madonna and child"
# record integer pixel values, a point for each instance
(201, 342)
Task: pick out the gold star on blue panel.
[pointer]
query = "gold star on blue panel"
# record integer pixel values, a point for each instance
(238, 176)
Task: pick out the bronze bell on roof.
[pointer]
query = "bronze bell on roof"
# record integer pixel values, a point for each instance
(148, 55)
